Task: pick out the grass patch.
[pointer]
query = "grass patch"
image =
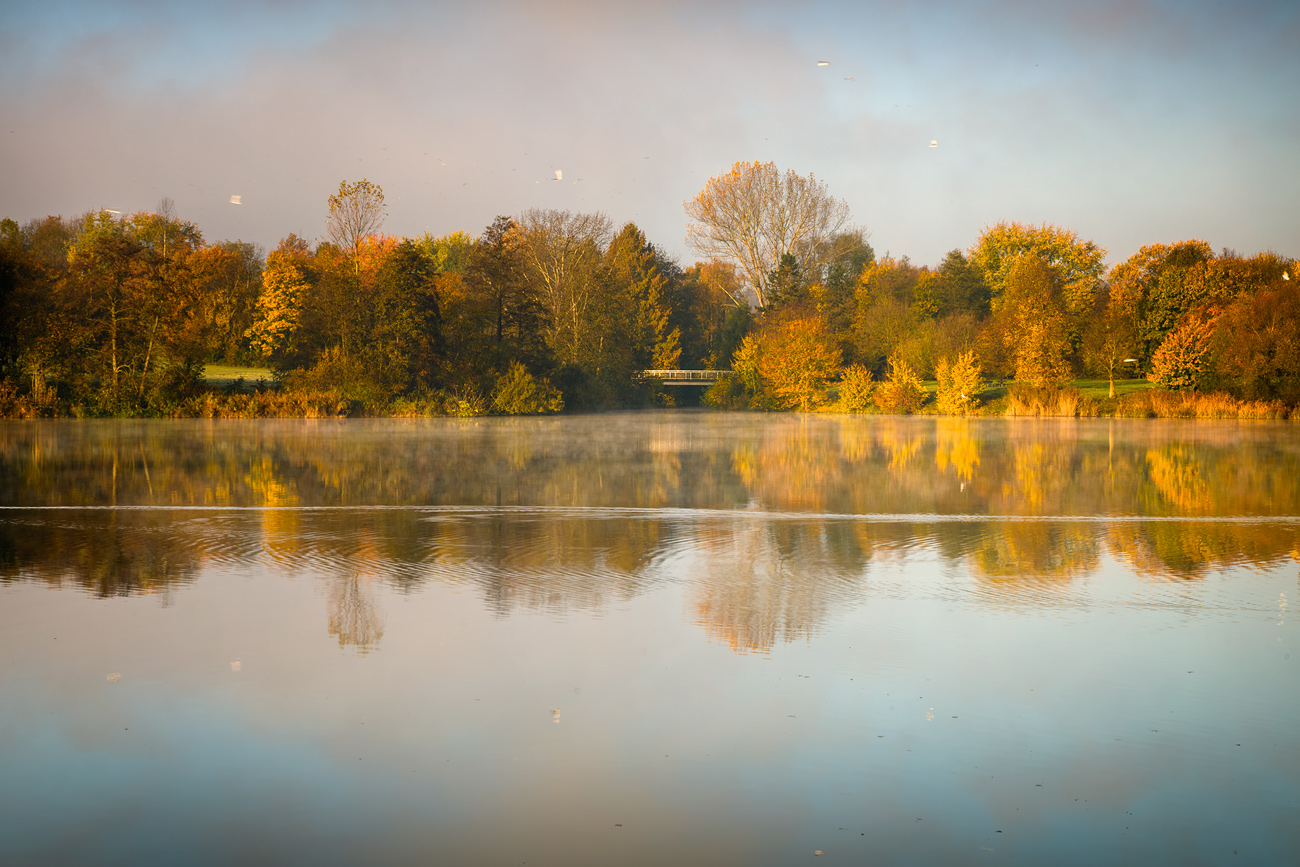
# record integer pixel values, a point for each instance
(1100, 388)
(225, 376)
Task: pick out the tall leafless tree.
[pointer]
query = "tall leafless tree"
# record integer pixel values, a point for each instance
(755, 215)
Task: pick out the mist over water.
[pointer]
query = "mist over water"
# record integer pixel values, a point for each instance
(649, 637)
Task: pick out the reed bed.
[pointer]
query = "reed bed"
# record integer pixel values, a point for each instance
(1049, 402)
(1160, 403)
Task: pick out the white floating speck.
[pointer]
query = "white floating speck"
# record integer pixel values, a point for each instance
(933, 143)
(236, 200)
(114, 677)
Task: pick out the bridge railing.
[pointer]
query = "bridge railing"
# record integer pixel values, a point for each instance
(687, 377)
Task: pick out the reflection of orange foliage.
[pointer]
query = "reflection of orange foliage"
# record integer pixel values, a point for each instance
(956, 448)
(902, 442)
(1034, 550)
(790, 469)
(1176, 474)
(281, 527)
(1171, 549)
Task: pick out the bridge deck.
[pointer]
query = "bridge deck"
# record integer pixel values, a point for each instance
(687, 377)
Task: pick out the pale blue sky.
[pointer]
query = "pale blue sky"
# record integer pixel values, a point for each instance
(1130, 122)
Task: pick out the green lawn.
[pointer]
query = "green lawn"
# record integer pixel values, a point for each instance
(1101, 387)
(222, 375)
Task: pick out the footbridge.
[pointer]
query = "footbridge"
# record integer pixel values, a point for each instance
(686, 377)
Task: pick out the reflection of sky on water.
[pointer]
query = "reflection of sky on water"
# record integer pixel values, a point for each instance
(734, 684)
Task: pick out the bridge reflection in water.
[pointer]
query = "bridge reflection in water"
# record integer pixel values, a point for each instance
(686, 377)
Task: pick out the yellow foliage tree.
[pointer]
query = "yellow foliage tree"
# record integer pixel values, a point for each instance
(959, 383)
(797, 359)
(279, 304)
(856, 388)
(1077, 263)
(1040, 335)
(902, 392)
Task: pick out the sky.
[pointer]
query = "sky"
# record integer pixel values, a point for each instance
(1130, 123)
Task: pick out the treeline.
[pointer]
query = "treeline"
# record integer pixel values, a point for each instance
(108, 315)
(118, 315)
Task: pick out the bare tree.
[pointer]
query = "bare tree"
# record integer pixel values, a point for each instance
(356, 210)
(755, 215)
(565, 252)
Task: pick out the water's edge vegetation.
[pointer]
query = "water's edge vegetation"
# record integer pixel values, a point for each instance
(107, 315)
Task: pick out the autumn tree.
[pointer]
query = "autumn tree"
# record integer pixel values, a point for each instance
(564, 252)
(797, 358)
(711, 313)
(1077, 263)
(884, 315)
(129, 306)
(959, 382)
(227, 281)
(1039, 335)
(355, 211)
(1153, 287)
(1111, 336)
(1256, 344)
(755, 215)
(1181, 362)
(285, 284)
(902, 392)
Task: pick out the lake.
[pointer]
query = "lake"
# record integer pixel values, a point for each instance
(648, 638)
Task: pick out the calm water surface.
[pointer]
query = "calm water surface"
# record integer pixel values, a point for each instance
(650, 638)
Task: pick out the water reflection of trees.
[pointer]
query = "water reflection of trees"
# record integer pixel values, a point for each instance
(762, 583)
(756, 581)
(104, 553)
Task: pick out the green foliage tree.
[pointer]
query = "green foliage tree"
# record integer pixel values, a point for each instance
(636, 271)
(406, 340)
(502, 312)
(565, 254)
(959, 287)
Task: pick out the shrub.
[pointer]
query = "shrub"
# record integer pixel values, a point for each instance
(727, 393)
(959, 383)
(902, 392)
(519, 393)
(1181, 361)
(856, 388)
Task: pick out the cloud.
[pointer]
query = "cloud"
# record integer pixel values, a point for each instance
(458, 110)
